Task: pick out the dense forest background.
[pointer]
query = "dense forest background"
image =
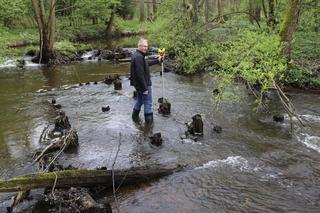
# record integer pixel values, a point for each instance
(261, 41)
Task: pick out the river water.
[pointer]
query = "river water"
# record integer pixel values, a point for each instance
(254, 165)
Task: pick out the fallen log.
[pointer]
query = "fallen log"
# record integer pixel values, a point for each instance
(84, 178)
(22, 44)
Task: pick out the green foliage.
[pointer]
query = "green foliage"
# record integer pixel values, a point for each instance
(306, 45)
(252, 56)
(9, 37)
(130, 25)
(98, 8)
(12, 10)
(305, 60)
(68, 48)
(126, 9)
(175, 30)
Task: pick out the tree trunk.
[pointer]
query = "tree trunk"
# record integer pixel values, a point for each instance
(154, 6)
(84, 178)
(317, 16)
(195, 16)
(257, 12)
(52, 24)
(46, 28)
(148, 10)
(207, 12)
(272, 17)
(142, 15)
(251, 11)
(237, 3)
(110, 23)
(289, 25)
(220, 11)
(264, 9)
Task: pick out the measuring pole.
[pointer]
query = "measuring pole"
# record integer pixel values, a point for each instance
(162, 81)
(162, 53)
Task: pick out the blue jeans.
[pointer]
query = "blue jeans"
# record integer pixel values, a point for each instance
(145, 100)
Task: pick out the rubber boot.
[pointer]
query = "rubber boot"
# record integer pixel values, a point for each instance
(135, 115)
(148, 118)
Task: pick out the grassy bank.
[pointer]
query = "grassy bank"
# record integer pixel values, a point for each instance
(67, 36)
(304, 71)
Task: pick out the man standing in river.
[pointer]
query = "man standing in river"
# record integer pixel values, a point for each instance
(140, 79)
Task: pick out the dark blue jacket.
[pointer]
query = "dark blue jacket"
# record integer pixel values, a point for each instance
(139, 71)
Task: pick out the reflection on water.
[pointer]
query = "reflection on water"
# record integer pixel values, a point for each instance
(254, 165)
(52, 78)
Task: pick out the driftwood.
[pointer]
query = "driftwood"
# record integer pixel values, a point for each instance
(75, 200)
(70, 139)
(20, 197)
(84, 178)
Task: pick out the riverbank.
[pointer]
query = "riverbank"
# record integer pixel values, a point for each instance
(69, 39)
(303, 71)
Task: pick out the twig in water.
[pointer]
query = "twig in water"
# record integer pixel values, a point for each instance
(54, 185)
(112, 170)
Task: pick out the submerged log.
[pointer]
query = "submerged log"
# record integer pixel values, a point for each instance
(84, 178)
(23, 43)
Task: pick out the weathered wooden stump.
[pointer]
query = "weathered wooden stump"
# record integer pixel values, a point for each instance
(105, 108)
(156, 139)
(196, 126)
(160, 100)
(53, 101)
(217, 129)
(278, 118)
(216, 92)
(117, 84)
(108, 80)
(164, 107)
(57, 106)
(62, 122)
